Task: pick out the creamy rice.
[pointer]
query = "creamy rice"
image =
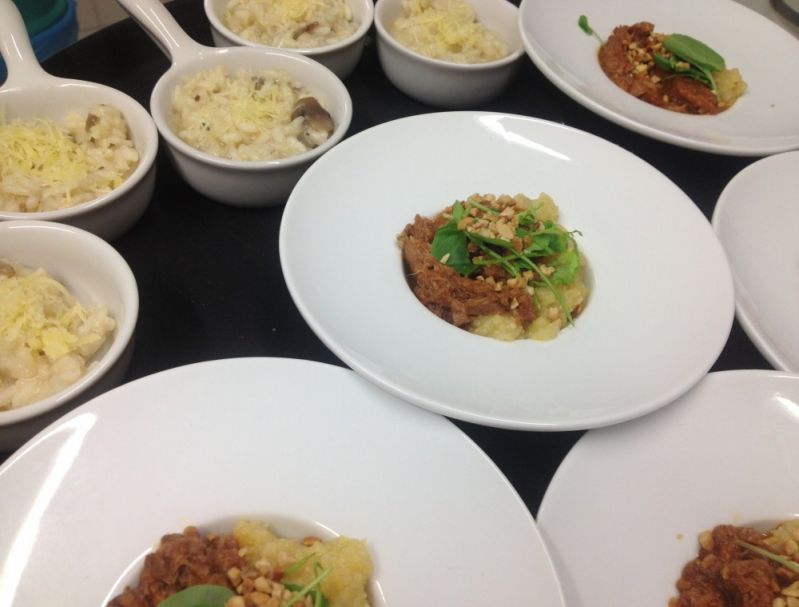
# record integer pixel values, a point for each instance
(45, 166)
(446, 30)
(291, 23)
(244, 116)
(47, 338)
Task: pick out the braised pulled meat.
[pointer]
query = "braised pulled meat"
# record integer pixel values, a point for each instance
(627, 59)
(455, 298)
(726, 574)
(182, 560)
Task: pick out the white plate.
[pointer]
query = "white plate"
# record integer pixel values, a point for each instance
(757, 221)
(279, 439)
(623, 511)
(659, 314)
(764, 121)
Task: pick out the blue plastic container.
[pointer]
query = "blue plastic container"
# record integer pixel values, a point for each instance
(52, 39)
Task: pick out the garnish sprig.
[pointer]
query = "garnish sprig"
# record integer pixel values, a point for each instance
(785, 562)
(583, 23)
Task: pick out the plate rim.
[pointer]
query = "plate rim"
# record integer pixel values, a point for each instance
(751, 325)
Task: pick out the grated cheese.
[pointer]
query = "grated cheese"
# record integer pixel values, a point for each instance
(290, 23)
(447, 30)
(46, 166)
(41, 151)
(43, 329)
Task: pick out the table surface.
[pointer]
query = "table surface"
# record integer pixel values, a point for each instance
(209, 275)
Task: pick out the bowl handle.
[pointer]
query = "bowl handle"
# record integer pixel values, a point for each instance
(161, 26)
(16, 49)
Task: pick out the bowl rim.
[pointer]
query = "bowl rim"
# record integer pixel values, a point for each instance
(148, 152)
(123, 331)
(208, 53)
(354, 38)
(385, 36)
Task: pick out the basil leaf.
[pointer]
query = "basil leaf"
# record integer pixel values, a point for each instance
(695, 52)
(449, 245)
(201, 595)
(566, 265)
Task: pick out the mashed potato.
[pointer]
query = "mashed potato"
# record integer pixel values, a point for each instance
(47, 338)
(348, 560)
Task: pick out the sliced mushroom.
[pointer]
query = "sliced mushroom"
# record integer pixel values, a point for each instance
(91, 120)
(317, 123)
(6, 269)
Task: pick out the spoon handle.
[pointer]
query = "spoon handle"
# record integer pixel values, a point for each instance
(15, 47)
(161, 26)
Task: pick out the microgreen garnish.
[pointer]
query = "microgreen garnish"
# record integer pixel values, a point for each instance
(201, 595)
(583, 23)
(295, 567)
(535, 244)
(785, 562)
(311, 587)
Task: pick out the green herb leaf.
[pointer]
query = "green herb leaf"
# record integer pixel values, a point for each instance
(583, 23)
(312, 586)
(566, 265)
(785, 562)
(695, 52)
(295, 567)
(201, 595)
(449, 247)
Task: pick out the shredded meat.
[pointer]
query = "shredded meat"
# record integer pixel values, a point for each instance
(728, 575)
(631, 46)
(182, 560)
(455, 298)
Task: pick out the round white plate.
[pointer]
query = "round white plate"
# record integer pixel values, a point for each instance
(285, 440)
(659, 314)
(622, 514)
(764, 121)
(757, 221)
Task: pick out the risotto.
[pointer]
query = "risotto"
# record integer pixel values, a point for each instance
(446, 30)
(501, 267)
(252, 567)
(46, 166)
(47, 338)
(248, 115)
(291, 23)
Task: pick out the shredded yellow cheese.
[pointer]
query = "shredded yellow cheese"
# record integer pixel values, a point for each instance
(290, 23)
(40, 150)
(448, 30)
(46, 335)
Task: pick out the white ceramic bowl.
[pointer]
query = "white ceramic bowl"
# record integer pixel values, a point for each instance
(238, 183)
(443, 83)
(340, 57)
(29, 92)
(95, 274)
